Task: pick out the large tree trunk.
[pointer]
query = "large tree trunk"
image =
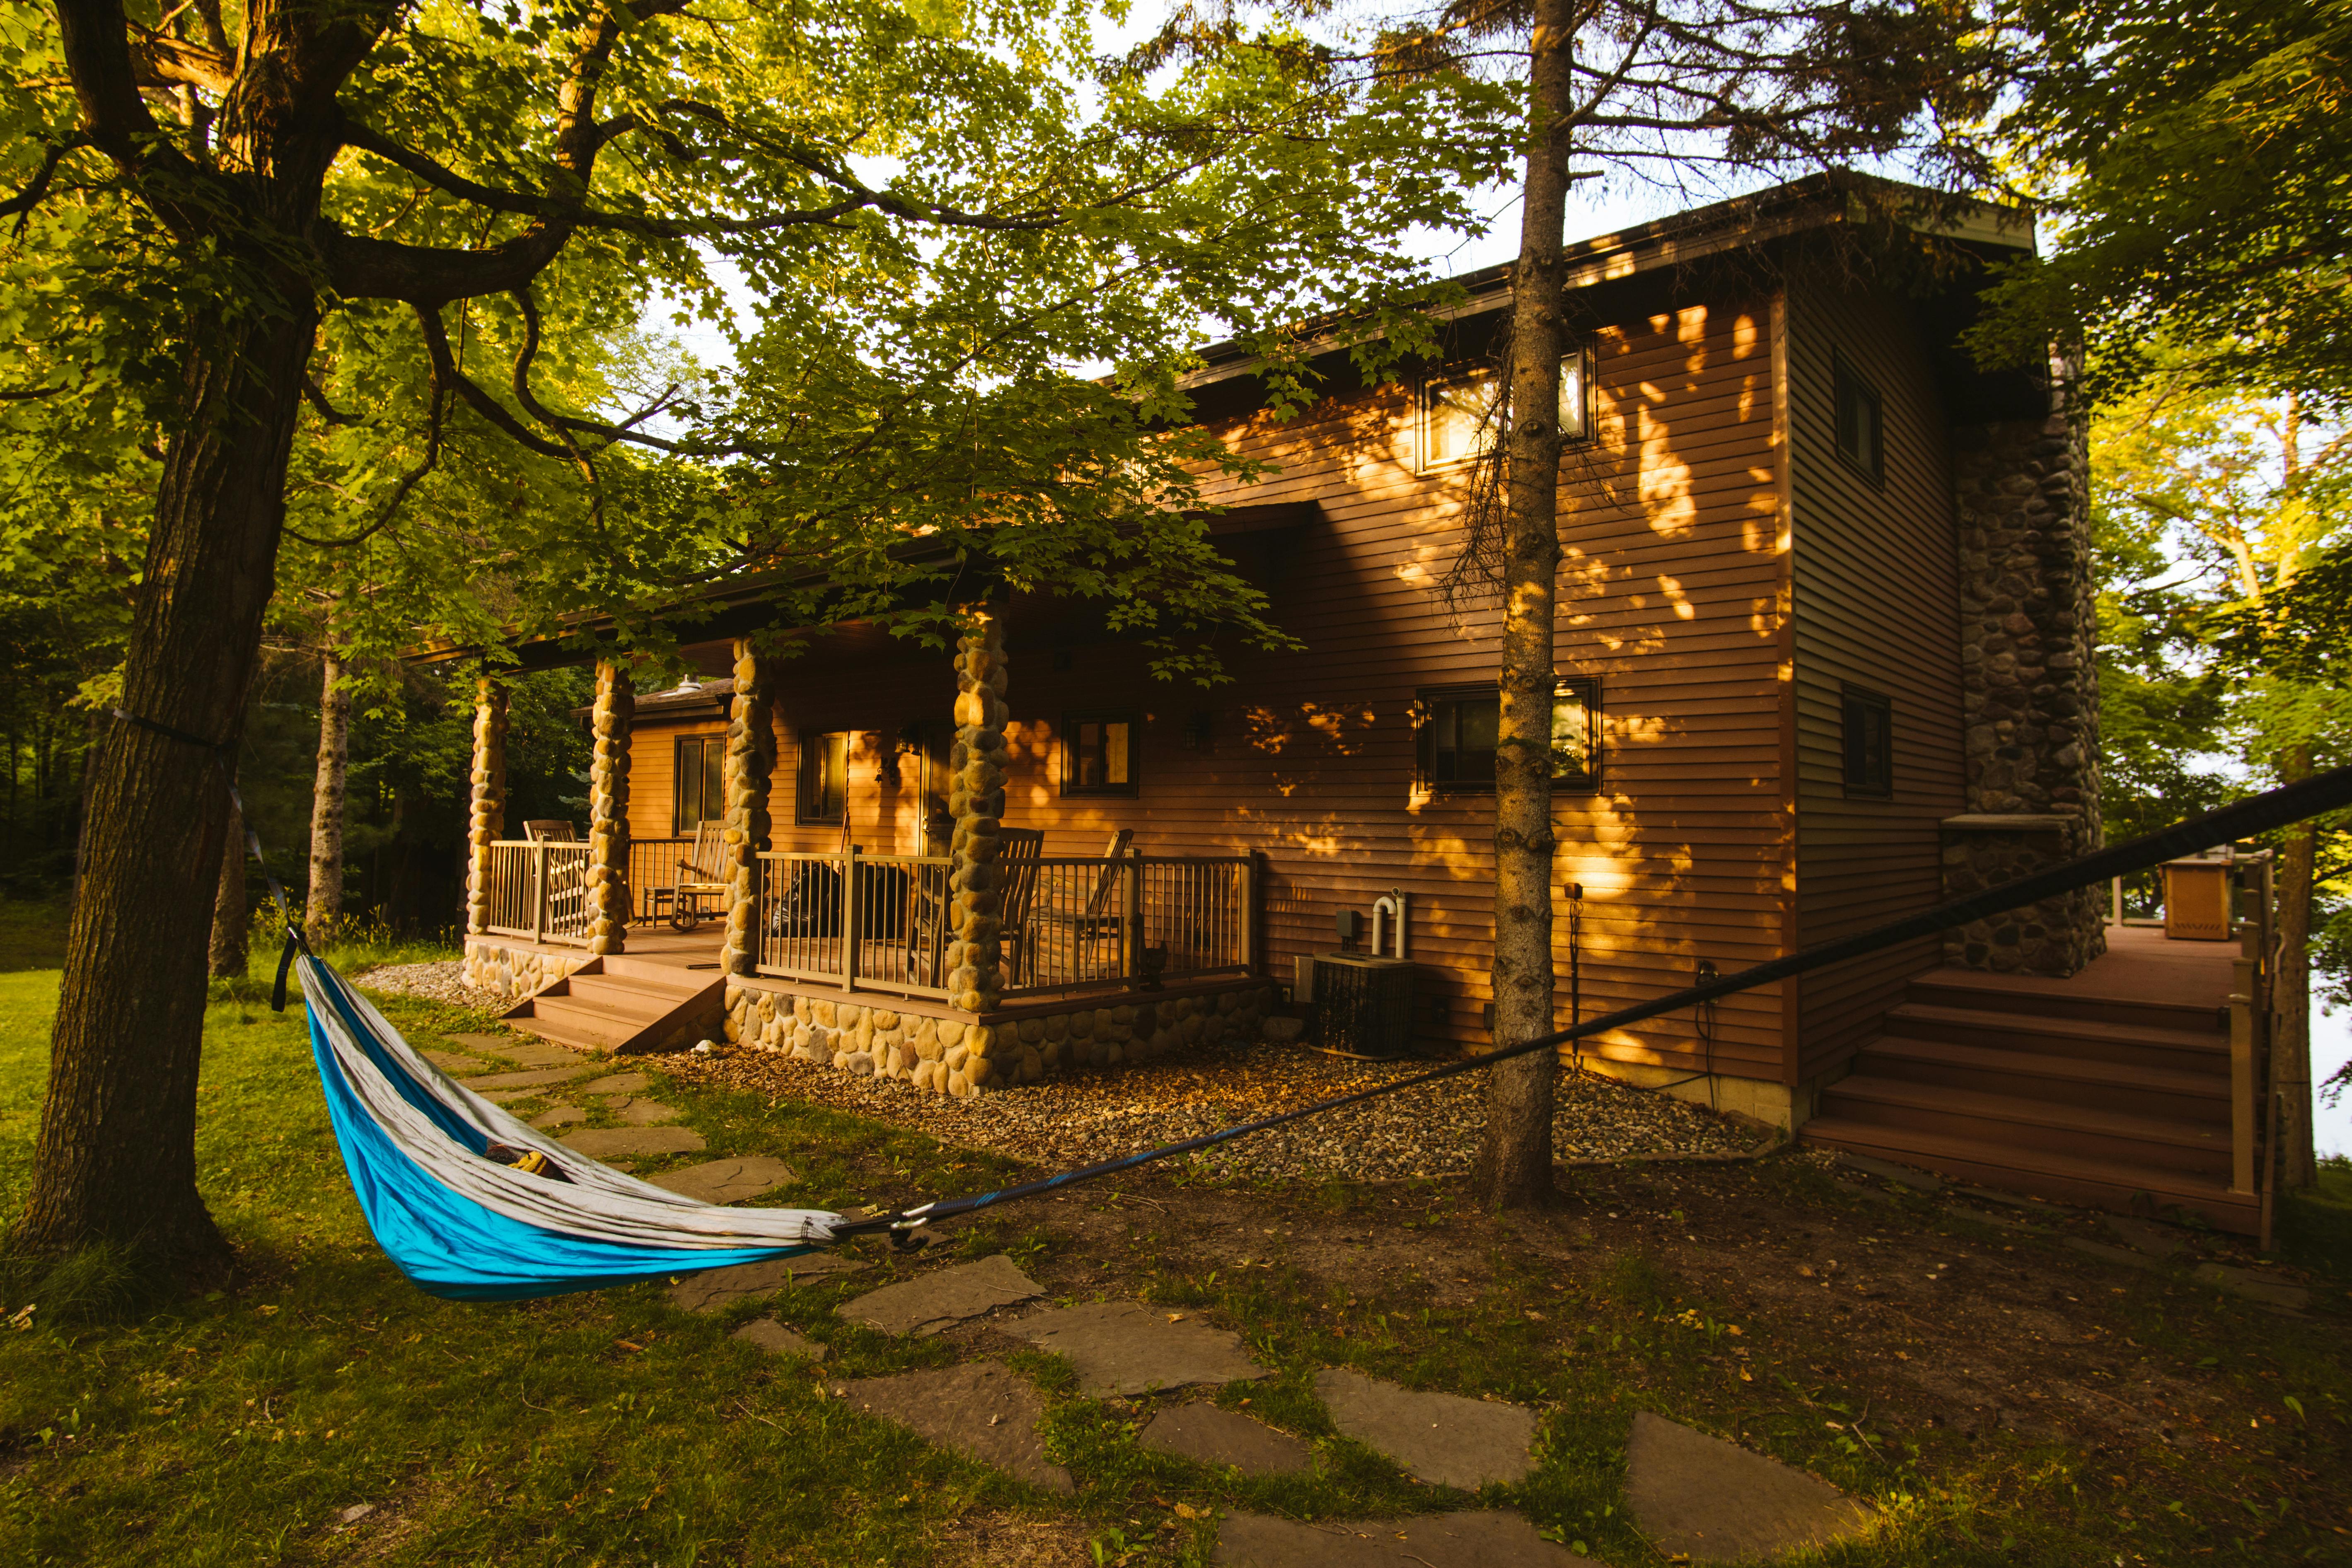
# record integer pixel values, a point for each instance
(2291, 989)
(232, 921)
(1515, 1155)
(115, 1160)
(325, 905)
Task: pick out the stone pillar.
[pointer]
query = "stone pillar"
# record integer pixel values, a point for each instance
(751, 760)
(976, 763)
(609, 893)
(2028, 630)
(487, 817)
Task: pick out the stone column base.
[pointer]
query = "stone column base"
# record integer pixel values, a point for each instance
(2056, 936)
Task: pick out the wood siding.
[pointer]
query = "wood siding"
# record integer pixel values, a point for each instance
(1876, 586)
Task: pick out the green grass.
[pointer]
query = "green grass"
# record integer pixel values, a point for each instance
(610, 1429)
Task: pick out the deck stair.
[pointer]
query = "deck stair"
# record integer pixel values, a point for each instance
(617, 1005)
(2107, 1102)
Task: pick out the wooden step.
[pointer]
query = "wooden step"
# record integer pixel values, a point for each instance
(1993, 994)
(655, 973)
(2126, 1087)
(2203, 1148)
(2042, 1174)
(613, 996)
(2086, 1039)
(580, 1029)
(666, 994)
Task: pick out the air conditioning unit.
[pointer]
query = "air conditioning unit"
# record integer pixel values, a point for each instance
(1364, 1005)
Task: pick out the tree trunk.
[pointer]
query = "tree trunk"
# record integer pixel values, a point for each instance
(232, 921)
(324, 907)
(1514, 1164)
(2291, 989)
(115, 1161)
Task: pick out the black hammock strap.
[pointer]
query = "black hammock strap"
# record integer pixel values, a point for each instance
(2313, 796)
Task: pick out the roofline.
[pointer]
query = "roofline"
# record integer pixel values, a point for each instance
(1823, 200)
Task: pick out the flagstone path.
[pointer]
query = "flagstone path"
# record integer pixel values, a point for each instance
(1443, 1440)
(728, 1181)
(771, 1336)
(715, 1288)
(457, 1064)
(1125, 1347)
(1486, 1539)
(518, 1050)
(1716, 1501)
(931, 1303)
(559, 1116)
(980, 1409)
(536, 1077)
(637, 1110)
(598, 1141)
(619, 1083)
(1206, 1435)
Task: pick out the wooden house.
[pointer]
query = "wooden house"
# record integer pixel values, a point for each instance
(1823, 654)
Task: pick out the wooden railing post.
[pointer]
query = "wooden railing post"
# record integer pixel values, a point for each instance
(849, 919)
(1130, 921)
(1249, 911)
(538, 892)
(2244, 1094)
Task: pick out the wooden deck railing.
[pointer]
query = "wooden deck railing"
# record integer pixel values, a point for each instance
(2253, 1099)
(539, 891)
(878, 922)
(653, 872)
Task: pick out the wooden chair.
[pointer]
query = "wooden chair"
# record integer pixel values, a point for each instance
(551, 830)
(701, 875)
(567, 875)
(1069, 942)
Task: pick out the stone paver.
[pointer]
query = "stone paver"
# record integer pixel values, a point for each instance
(1124, 1347)
(1486, 1539)
(537, 1078)
(932, 1302)
(457, 1064)
(1716, 1500)
(2269, 1289)
(716, 1288)
(559, 1116)
(598, 1141)
(1918, 1181)
(2145, 1236)
(777, 1340)
(1443, 1440)
(505, 1096)
(981, 1409)
(728, 1181)
(639, 1112)
(619, 1083)
(1203, 1433)
(520, 1051)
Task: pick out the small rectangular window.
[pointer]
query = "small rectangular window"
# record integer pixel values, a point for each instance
(1460, 727)
(1861, 425)
(1099, 754)
(1457, 410)
(823, 776)
(1869, 744)
(699, 788)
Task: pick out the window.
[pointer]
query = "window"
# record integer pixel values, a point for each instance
(824, 776)
(1462, 725)
(1099, 754)
(1458, 419)
(701, 790)
(1869, 744)
(1861, 430)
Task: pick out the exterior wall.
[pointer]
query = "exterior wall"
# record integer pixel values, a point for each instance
(1876, 587)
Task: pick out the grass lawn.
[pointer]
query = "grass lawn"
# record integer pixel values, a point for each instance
(2003, 1400)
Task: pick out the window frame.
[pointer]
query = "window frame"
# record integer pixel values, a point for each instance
(680, 773)
(1068, 746)
(1850, 700)
(807, 778)
(1844, 379)
(1588, 781)
(1439, 378)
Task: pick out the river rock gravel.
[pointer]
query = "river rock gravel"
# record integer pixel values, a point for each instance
(433, 981)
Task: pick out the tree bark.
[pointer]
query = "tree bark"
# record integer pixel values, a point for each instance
(324, 907)
(1513, 1169)
(2291, 989)
(115, 1161)
(232, 921)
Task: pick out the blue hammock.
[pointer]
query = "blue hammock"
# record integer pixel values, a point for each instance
(472, 1204)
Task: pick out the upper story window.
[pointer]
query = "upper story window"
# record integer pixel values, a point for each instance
(1099, 754)
(699, 795)
(823, 776)
(1461, 729)
(1869, 744)
(1458, 419)
(1860, 423)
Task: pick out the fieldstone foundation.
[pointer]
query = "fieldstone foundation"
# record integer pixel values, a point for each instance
(512, 973)
(968, 1057)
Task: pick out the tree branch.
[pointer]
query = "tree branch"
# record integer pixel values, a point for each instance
(408, 482)
(20, 205)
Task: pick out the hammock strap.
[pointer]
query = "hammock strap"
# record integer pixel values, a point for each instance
(2313, 796)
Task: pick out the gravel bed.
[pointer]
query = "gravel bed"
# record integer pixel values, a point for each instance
(1431, 1130)
(434, 982)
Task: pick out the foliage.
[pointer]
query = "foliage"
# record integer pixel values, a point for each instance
(2193, 163)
